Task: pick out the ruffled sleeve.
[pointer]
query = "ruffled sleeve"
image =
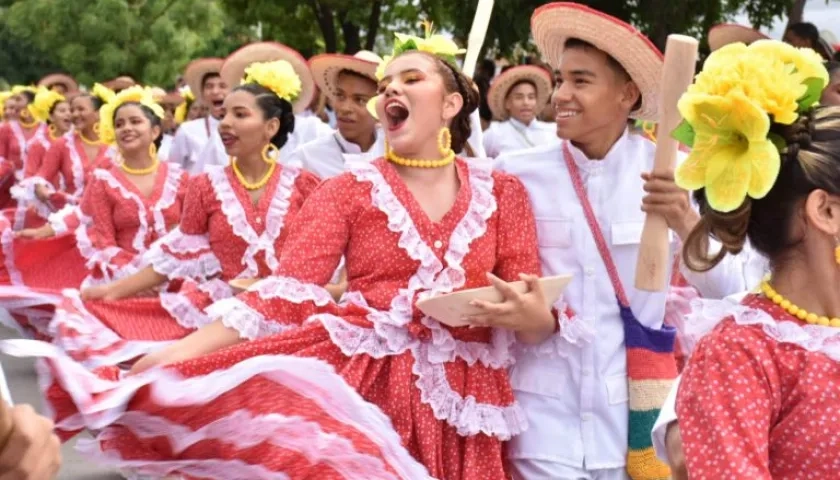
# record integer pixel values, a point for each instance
(185, 251)
(316, 243)
(97, 238)
(68, 219)
(728, 400)
(5, 136)
(34, 158)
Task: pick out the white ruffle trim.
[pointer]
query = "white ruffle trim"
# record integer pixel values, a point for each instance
(309, 377)
(573, 333)
(58, 220)
(7, 242)
(238, 220)
(707, 314)
(292, 290)
(250, 324)
(76, 164)
(204, 264)
(183, 311)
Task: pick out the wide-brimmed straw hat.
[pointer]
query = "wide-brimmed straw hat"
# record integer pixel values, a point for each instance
(502, 84)
(554, 23)
(326, 67)
(233, 70)
(120, 83)
(726, 33)
(68, 82)
(198, 69)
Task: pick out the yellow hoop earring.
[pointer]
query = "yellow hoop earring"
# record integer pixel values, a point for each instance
(837, 251)
(96, 128)
(152, 151)
(444, 141)
(270, 151)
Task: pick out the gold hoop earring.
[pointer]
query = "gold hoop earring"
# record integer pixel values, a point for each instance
(444, 140)
(96, 128)
(152, 151)
(837, 251)
(270, 151)
(53, 131)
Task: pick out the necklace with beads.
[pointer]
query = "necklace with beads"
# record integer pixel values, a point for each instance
(253, 185)
(141, 171)
(416, 163)
(28, 125)
(94, 143)
(800, 313)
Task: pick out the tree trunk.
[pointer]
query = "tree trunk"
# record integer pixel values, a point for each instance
(373, 25)
(326, 21)
(350, 31)
(795, 13)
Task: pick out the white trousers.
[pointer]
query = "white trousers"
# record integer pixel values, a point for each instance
(527, 469)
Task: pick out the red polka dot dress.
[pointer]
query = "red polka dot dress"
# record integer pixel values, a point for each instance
(758, 399)
(14, 146)
(222, 235)
(366, 388)
(104, 240)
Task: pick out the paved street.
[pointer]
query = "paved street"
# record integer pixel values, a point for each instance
(22, 382)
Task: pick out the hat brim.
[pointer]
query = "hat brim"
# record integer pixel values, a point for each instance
(501, 86)
(554, 23)
(69, 83)
(325, 69)
(198, 69)
(172, 98)
(233, 70)
(119, 83)
(727, 33)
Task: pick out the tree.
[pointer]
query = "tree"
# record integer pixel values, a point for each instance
(94, 40)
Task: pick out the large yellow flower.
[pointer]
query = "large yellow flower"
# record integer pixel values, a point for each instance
(278, 76)
(806, 62)
(732, 156)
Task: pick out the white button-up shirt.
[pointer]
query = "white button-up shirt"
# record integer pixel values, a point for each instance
(577, 406)
(327, 155)
(512, 135)
(190, 141)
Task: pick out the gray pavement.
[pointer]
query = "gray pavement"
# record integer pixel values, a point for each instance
(20, 374)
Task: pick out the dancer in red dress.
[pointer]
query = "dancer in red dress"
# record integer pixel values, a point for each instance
(124, 209)
(290, 383)
(15, 138)
(760, 391)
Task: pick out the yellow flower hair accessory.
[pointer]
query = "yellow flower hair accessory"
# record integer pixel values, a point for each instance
(437, 45)
(183, 109)
(136, 94)
(278, 76)
(44, 101)
(727, 113)
(18, 89)
(103, 93)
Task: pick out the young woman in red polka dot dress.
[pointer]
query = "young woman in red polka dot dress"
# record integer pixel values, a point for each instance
(758, 398)
(290, 384)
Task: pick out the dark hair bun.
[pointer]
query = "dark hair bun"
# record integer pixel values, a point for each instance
(273, 106)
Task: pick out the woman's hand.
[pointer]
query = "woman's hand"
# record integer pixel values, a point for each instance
(525, 313)
(32, 450)
(100, 292)
(676, 457)
(45, 231)
(43, 193)
(207, 339)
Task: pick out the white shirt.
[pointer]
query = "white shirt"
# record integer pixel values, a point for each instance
(165, 147)
(326, 156)
(4, 388)
(756, 267)
(512, 135)
(308, 127)
(190, 140)
(577, 406)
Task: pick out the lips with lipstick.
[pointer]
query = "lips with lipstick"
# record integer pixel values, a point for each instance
(228, 139)
(396, 114)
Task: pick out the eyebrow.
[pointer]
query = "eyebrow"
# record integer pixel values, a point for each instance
(409, 70)
(581, 73)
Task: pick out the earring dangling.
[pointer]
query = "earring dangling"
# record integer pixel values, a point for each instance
(444, 141)
(152, 151)
(96, 128)
(270, 151)
(837, 251)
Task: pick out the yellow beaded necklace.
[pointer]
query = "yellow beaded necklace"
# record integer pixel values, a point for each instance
(407, 162)
(28, 125)
(797, 312)
(141, 171)
(94, 143)
(253, 185)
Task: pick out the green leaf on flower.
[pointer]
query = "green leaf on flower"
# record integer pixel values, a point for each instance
(778, 141)
(684, 133)
(812, 95)
(405, 47)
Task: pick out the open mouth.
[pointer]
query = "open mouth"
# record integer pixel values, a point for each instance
(564, 114)
(218, 103)
(395, 115)
(227, 139)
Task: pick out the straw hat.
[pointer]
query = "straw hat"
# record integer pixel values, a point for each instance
(120, 83)
(726, 33)
(68, 82)
(198, 69)
(233, 70)
(325, 68)
(501, 86)
(554, 23)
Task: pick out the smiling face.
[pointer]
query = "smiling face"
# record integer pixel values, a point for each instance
(213, 91)
(61, 116)
(521, 102)
(244, 128)
(82, 112)
(10, 109)
(414, 105)
(134, 130)
(352, 94)
(592, 96)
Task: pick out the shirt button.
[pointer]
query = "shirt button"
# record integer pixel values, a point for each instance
(589, 271)
(586, 417)
(438, 244)
(259, 220)
(586, 372)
